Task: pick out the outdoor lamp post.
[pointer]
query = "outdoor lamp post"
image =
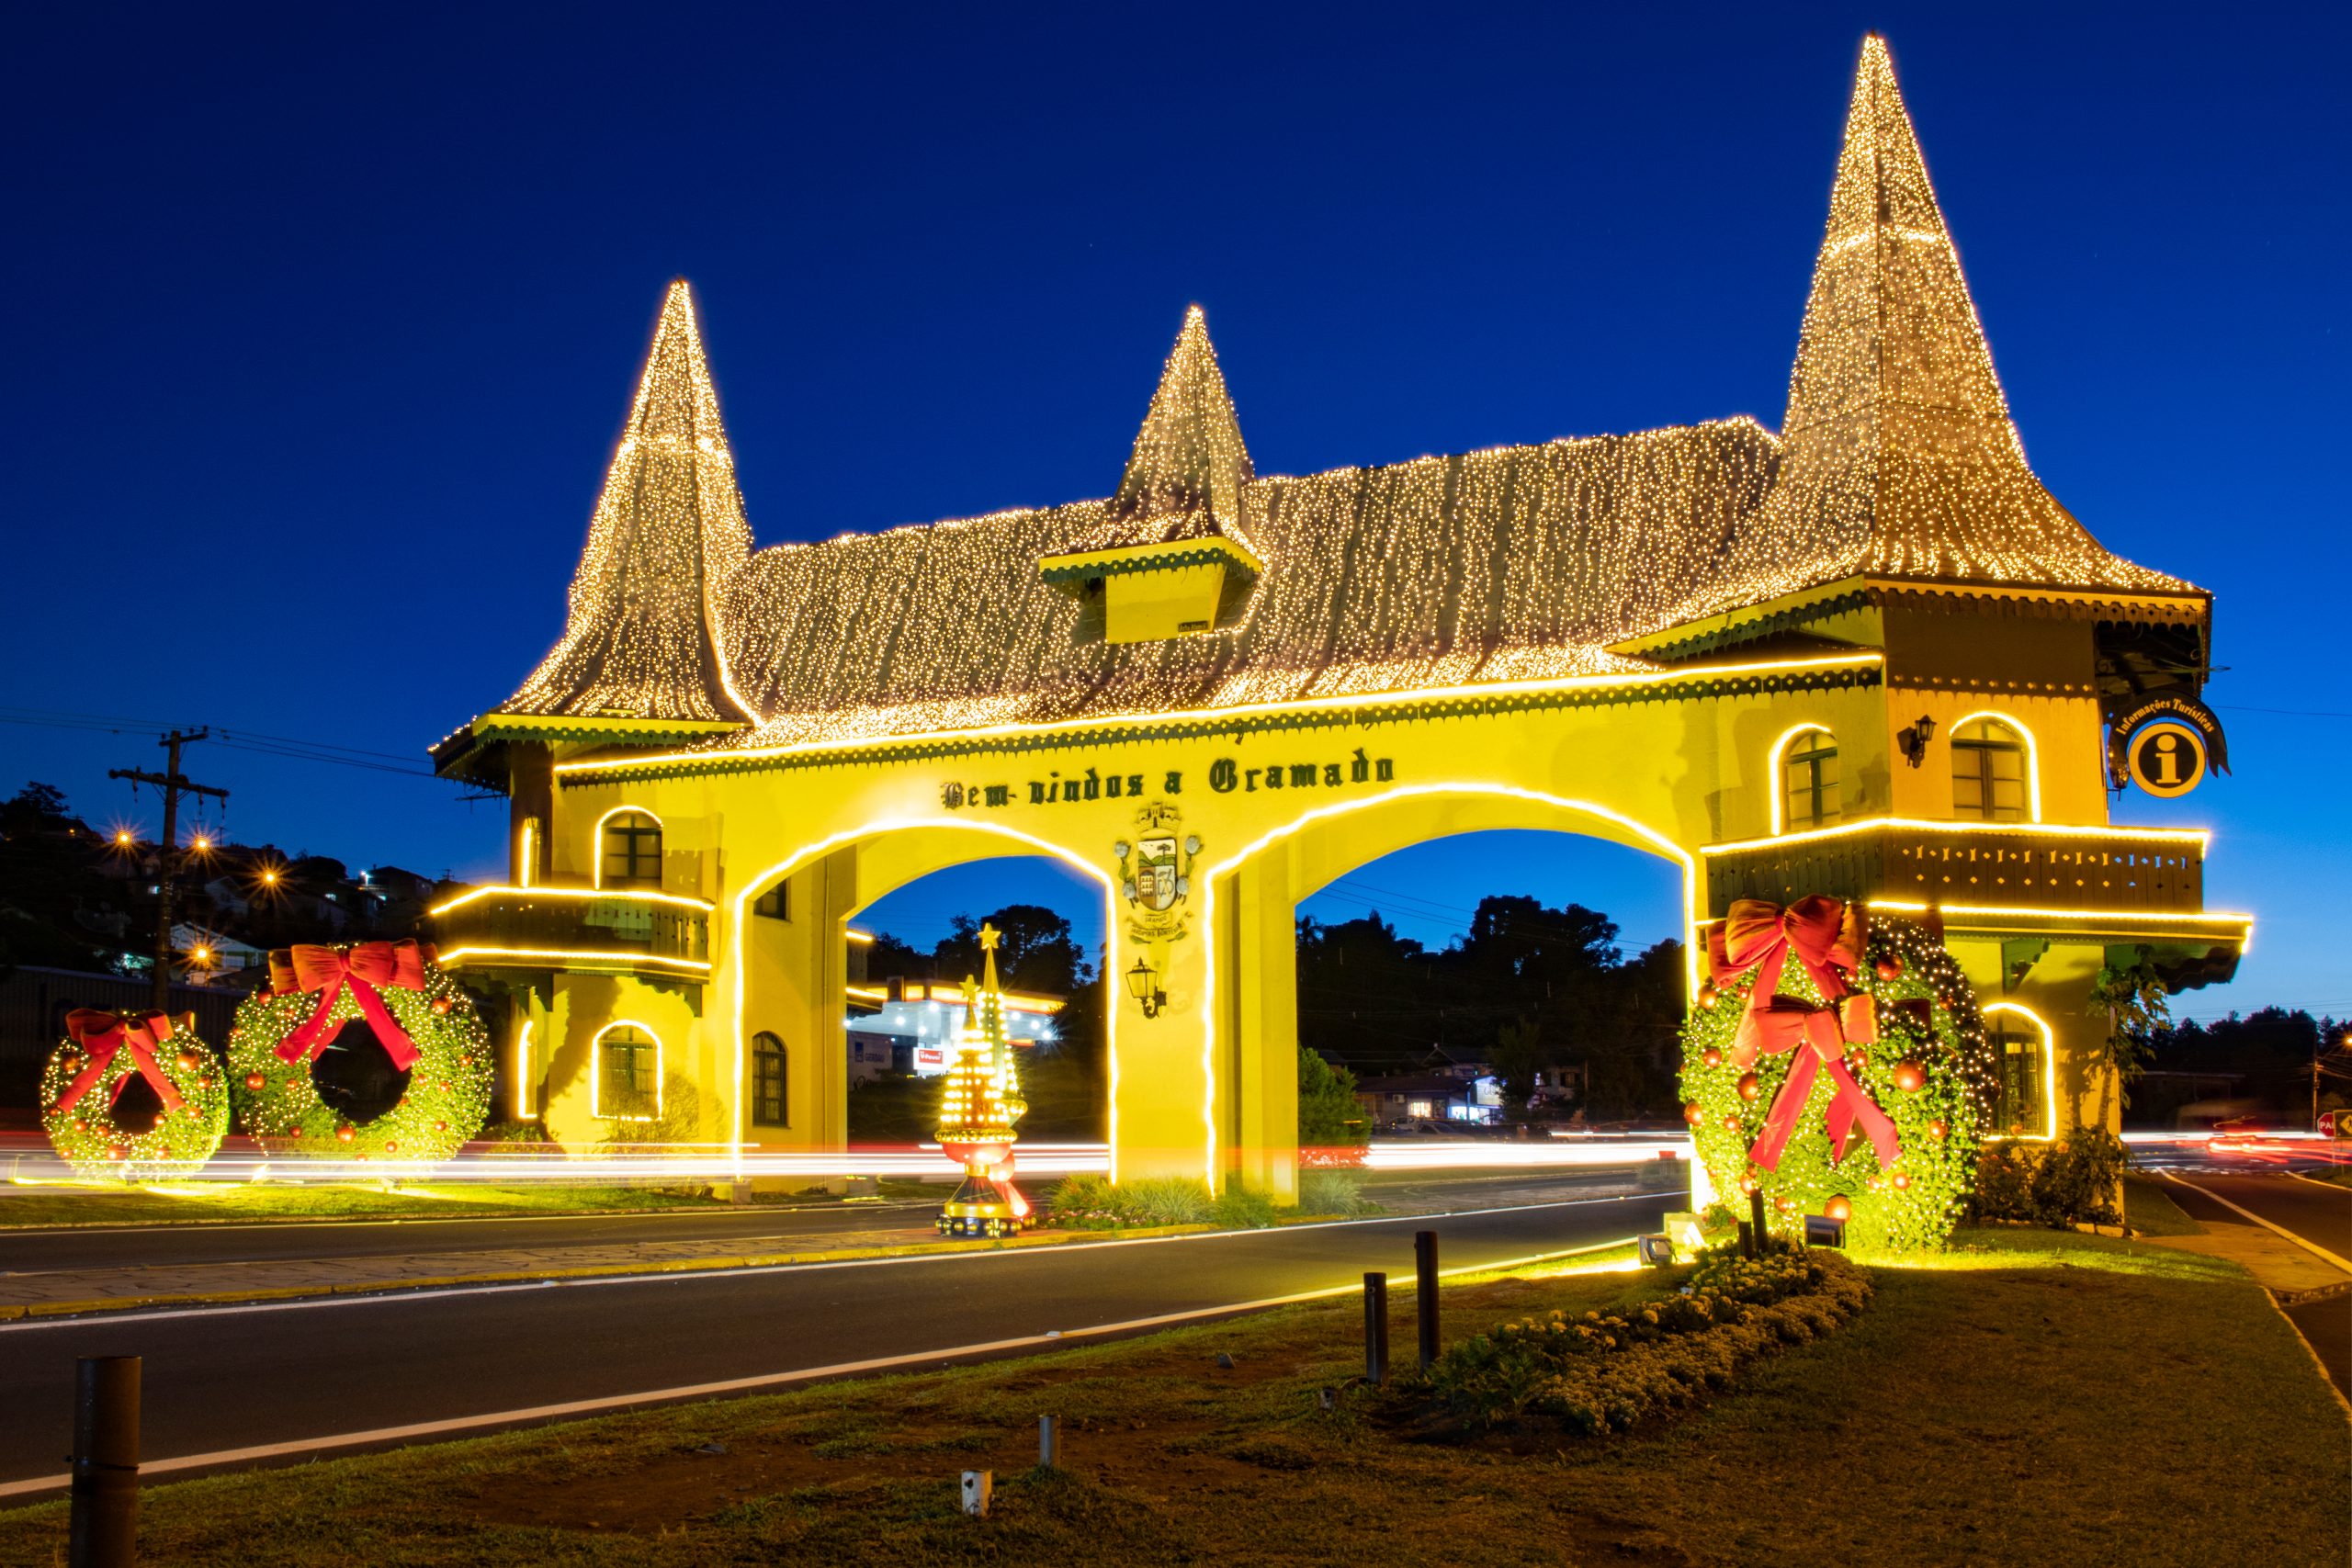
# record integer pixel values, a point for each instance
(1143, 983)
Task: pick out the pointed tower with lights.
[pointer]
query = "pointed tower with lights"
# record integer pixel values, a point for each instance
(1172, 557)
(1899, 459)
(979, 1103)
(642, 660)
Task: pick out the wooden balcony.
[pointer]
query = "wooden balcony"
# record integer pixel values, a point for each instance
(650, 935)
(1984, 865)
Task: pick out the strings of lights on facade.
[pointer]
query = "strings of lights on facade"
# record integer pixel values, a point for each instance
(1517, 563)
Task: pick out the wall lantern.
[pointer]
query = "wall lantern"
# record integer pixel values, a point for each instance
(1143, 983)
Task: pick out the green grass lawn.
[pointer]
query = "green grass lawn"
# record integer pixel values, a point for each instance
(2033, 1397)
(244, 1203)
(2150, 1209)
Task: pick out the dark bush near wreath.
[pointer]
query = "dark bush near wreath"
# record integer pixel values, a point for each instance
(367, 1052)
(1838, 1066)
(133, 1095)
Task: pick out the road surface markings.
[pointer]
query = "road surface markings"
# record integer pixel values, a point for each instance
(393, 1296)
(1053, 1337)
(2310, 1246)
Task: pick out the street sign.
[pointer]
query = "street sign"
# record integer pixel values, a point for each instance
(2166, 759)
(2336, 1124)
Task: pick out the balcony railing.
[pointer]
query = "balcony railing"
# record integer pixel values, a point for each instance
(595, 931)
(1983, 864)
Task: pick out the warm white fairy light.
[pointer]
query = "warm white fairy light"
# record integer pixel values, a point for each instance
(1519, 564)
(667, 535)
(1899, 458)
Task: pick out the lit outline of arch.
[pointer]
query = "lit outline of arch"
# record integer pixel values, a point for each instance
(2049, 1073)
(761, 881)
(1772, 767)
(1667, 850)
(523, 853)
(2033, 753)
(596, 844)
(596, 1069)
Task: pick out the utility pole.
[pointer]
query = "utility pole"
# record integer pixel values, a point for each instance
(174, 784)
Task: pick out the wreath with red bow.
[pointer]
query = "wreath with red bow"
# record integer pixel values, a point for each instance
(385, 1008)
(181, 1098)
(1838, 1066)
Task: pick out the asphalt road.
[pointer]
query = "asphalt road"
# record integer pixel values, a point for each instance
(225, 1378)
(775, 1229)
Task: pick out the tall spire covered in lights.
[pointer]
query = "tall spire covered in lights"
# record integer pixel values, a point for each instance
(642, 640)
(1899, 458)
(1186, 476)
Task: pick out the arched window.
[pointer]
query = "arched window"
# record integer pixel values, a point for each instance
(1988, 763)
(768, 1102)
(628, 1074)
(632, 853)
(1809, 796)
(2021, 1048)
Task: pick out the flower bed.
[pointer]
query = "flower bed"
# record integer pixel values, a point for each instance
(1605, 1372)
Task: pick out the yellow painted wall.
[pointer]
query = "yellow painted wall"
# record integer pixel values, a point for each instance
(1207, 1089)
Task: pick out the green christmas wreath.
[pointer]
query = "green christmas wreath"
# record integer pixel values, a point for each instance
(1841, 1067)
(367, 1051)
(105, 1054)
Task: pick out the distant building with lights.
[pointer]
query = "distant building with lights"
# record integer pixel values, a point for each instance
(911, 1026)
(1868, 654)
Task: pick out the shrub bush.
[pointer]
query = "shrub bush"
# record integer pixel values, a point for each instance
(1332, 1192)
(1604, 1373)
(2054, 1184)
(1240, 1208)
(1093, 1202)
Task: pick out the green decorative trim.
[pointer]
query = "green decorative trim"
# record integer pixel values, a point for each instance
(1696, 687)
(1170, 556)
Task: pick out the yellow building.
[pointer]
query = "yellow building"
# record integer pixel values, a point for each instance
(1870, 656)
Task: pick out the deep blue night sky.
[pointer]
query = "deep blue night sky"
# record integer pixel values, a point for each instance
(323, 321)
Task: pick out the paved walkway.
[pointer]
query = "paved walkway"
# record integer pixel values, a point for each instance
(2315, 1293)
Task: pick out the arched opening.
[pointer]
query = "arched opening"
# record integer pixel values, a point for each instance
(1253, 1062)
(771, 1089)
(627, 1082)
(628, 850)
(1992, 773)
(906, 1013)
(2025, 1097)
(1494, 977)
(1810, 791)
(817, 937)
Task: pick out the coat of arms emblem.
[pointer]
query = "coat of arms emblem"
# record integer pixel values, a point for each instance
(1156, 874)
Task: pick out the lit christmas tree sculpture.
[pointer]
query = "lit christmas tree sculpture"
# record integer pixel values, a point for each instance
(981, 1102)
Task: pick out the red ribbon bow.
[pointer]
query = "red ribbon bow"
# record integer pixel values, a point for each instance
(102, 1034)
(304, 967)
(1826, 936)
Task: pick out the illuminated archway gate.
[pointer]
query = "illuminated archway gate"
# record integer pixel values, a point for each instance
(1216, 690)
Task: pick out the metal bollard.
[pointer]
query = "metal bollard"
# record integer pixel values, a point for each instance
(979, 1487)
(1375, 1329)
(1049, 1444)
(104, 1530)
(1425, 1293)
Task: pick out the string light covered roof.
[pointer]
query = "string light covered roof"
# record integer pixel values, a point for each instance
(1899, 458)
(667, 533)
(1898, 462)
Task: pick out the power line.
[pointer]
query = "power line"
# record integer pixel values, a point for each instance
(257, 741)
